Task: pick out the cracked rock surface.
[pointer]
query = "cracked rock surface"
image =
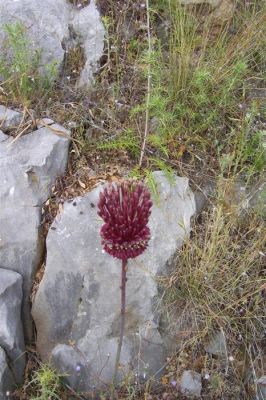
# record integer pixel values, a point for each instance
(7, 382)
(29, 168)
(77, 306)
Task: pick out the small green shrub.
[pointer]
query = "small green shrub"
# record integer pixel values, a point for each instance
(199, 78)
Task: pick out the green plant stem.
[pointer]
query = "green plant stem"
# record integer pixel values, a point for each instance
(147, 116)
(122, 321)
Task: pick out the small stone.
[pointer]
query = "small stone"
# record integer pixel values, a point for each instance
(261, 385)
(217, 345)
(43, 122)
(9, 119)
(190, 384)
(213, 3)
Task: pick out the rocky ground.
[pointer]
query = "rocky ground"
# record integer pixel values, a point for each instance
(173, 94)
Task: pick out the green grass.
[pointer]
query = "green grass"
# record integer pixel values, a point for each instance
(198, 86)
(201, 77)
(20, 67)
(47, 384)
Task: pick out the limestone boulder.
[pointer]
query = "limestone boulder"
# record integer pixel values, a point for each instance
(89, 29)
(28, 167)
(50, 24)
(11, 330)
(77, 306)
(7, 383)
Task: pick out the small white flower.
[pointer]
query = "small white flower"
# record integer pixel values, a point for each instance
(207, 376)
(231, 358)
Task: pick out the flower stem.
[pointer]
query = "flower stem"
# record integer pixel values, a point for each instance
(122, 319)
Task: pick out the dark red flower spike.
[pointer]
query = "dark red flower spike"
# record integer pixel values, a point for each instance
(125, 208)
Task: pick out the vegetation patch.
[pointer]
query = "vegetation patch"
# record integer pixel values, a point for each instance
(184, 92)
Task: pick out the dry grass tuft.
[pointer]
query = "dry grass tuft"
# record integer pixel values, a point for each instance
(219, 282)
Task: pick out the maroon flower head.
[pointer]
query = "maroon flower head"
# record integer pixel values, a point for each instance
(125, 208)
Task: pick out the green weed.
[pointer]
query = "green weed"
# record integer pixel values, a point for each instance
(47, 384)
(127, 141)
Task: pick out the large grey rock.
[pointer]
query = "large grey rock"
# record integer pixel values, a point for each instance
(50, 24)
(190, 384)
(92, 39)
(11, 330)
(28, 167)
(3, 136)
(9, 118)
(77, 307)
(45, 22)
(7, 382)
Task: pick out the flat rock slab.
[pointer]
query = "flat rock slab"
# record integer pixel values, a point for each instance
(54, 28)
(77, 306)
(29, 168)
(7, 383)
(11, 330)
